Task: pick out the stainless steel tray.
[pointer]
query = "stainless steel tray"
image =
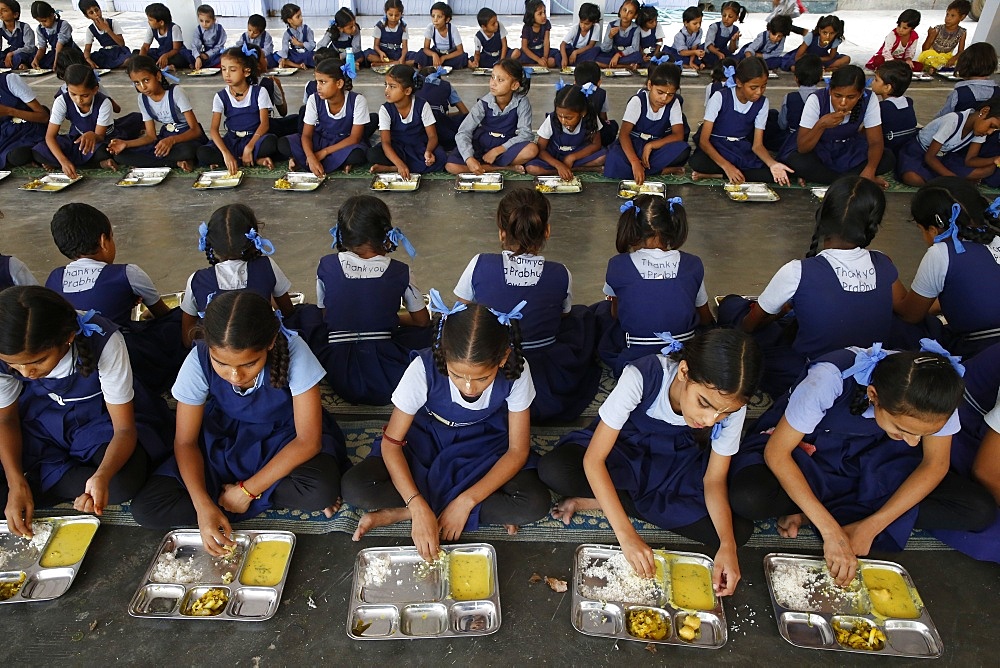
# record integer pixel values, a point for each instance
(481, 71)
(688, 72)
(50, 183)
(144, 176)
(281, 72)
(33, 73)
(172, 600)
(819, 193)
(537, 70)
(410, 601)
(23, 560)
(630, 189)
(813, 628)
(4, 174)
(608, 618)
(491, 182)
(218, 180)
(393, 182)
(299, 182)
(616, 72)
(751, 192)
(553, 185)
(204, 72)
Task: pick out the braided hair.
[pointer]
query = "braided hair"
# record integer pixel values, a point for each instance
(851, 76)
(475, 336)
(364, 221)
(243, 320)
(931, 209)
(227, 234)
(34, 319)
(574, 99)
(651, 216)
(523, 217)
(852, 211)
(918, 384)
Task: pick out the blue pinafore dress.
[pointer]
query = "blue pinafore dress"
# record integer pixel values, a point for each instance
(645, 307)
(14, 132)
(645, 130)
(855, 467)
(365, 350)
(14, 42)
(391, 43)
(722, 36)
(456, 61)
(562, 144)
(733, 132)
(911, 156)
(78, 126)
(658, 464)
(260, 280)
(409, 140)
(297, 54)
(844, 147)
(785, 141)
(536, 44)
(48, 59)
(241, 123)
(619, 43)
(489, 54)
(241, 433)
(65, 422)
(327, 132)
(437, 93)
(449, 447)
(216, 60)
(111, 54)
(899, 126)
(813, 48)
(494, 130)
(982, 382)
(559, 347)
(165, 43)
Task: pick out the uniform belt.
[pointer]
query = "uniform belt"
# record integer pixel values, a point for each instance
(492, 53)
(540, 343)
(621, 48)
(728, 138)
(62, 401)
(298, 49)
(171, 127)
(652, 340)
(242, 133)
(354, 337)
(498, 135)
(899, 133)
(449, 422)
(444, 52)
(982, 334)
(641, 135)
(565, 149)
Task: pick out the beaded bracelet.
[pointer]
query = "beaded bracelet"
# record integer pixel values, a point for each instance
(247, 492)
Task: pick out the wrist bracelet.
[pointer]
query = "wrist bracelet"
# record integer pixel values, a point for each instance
(413, 496)
(394, 441)
(247, 492)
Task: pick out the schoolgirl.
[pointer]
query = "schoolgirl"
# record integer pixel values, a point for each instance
(160, 101)
(334, 125)
(558, 338)
(239, 259)
(651, 286)
(251, 430)
(823, 41)
(535, 48)
(54, 35)
(783, 126)
(111, 51)
(581, 43)
(570, 137)
(650, 33)
(14, 272)
(731, 140)
(169, 50)
(392, 40)
(74, 427)
(209, 39)
(246, 108)
(344, 35)
(442, 43)
(589, 72)
(297, 43)
(441, 96)
(497, 132)
(842, 294)
(456, 452)
(24, 122)
(661, 450)
(620, 46)
(651, 141)
(722, 37)
(976, 66)
(407, 127)
(365, 351)
(20, 38)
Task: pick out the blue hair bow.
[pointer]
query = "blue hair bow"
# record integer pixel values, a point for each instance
(673, 345)
(169, 77)
(97, 77)
(624, 208)
(864, 364)
(560, 84)
(248, 51)
(716, 430)
(335, 233)
(203, 236)
(259, 242)
(436, 74)
(660, 60)
(932, 346)
(349, 71)
(397, 237)
(437, 305)
(674, 200)
(994, 208)
(514, 314)
(588, 89)
(84, 326)
(527, 72)
(281, 325)
(729, 72)
(952, 230)
(679, 63)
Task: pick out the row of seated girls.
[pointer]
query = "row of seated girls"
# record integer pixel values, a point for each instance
(857, 383)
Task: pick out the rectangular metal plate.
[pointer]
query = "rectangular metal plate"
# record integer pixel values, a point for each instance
(630, 189)
(479, 183)
(144, 176)
(4, 173)
(40, 584)
(34, 73)
(616, 72)
(50, 183)
(393, 182)
(553, 185)
(204, 72)
(281, 72)
(298, 182)
(751, 192)
(218, 180)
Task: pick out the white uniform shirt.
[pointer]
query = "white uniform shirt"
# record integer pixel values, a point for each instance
(411, 393)
(232, 275)
(715, 106)
(853, 267)
(360, 111)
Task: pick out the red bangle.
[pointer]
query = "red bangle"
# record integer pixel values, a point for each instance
(394, 441)
(247, 491)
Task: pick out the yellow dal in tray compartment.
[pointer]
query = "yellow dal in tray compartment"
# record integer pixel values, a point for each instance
(691, 587)
(266, 563)
(469, 575)
(68, 545)
(889, 594)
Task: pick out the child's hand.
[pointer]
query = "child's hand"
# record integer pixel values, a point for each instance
(315, 166)
(163, 147)
(780, 172)
(247, 156)
(68, 168)
(162, 62)
(869, 173)
(840, 558)
(474, 166)
(647, 151)
(231, 165)
(639, 555)
(490, 156)
(614, 31)
(197, 62)
(20, 508)
(452, 521)
(34, 65)
(428, 158)
(424, 529)
(116, 146)
(94, 497)
(437, 60)
(638, 171)
(700, 53)
(726, 572)
(734, 175)
(87, 141)
(404, 170)
(234, 499)
(215, 530)
(565, 173)
(296, 43)
(9, 60)
(833, 119)
(932, 33)
(614, 59)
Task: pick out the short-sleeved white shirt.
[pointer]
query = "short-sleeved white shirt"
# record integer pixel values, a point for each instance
(161, 108)
(479, 42)
(943, 131)
(440, 42)
(929, 279)
(177, 35)
(385, 120)
(360, 111)
(105, 114)
(263, 101)
(715, 106)
(81, 275)
(355, 267)
(19, 272)
(627, 394)
(854, 269)
(634, 108)
(810, 113)
(545, 129)
(18, 88)
(411, 393)
(377, 32)
(523, 270)
(657, 264)
(232, 275)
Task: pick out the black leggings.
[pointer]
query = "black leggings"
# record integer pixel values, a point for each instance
(957, 503)
(562, 470)
(209, 154)
(700, 162)
(521, 500)
(809, 167)
(164, 502)
(22, 155)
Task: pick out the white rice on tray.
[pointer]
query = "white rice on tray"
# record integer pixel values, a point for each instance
(811, 588)
(620, 582)
(169, 568)
(377, 570)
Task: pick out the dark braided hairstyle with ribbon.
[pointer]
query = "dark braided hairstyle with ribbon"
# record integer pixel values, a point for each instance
(247, 58)
(851, 211)
(474, 334)
(651, 216)
(243, 320)
(577, 100)
(34, 319)
(232, 233)
(933, 208)
(364, 222)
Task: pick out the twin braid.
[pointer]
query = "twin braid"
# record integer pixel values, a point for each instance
(277, 357)
(515, 361)
(85, 361)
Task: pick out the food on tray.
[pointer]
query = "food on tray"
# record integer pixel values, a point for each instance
(377, 570)
(647, 624)
(567, 70)
(627, 193)
(169, 568)
(10, 588)
(380, 185)
(68, 545)
(469, 575)
(889, 594)
(739, 196)
(360, 627)
(34, 184)
(691, 628)
(691, 586)
(806, 587)
(619, 582)
(209, 604)
(554, 185)
(266, 563)
(859, 634)
(425, 568)
(202, 184)
(283, 184)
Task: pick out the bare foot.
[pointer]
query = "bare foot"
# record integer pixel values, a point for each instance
(347, 169)
(511, 529)
(802, 182)
(697, 176)
(379, 518)
(109, 164)
(789, 525)
(517, 169)
(185, 166)
(673, 170)
(291, 164)
(379, 169)
(565, 509)
(330, 511)
(266, 162)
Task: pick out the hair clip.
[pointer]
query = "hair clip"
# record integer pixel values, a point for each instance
(864, 364)
(588, 89)
(729, 72)
(349, 71)
(673, 345)
(674, 200)
(560, 84)
(932, 346)
(259, 242)
(514, 314)
(84, 326)
(203, 236)
(335, 233)
(952, 229)
(281, 325)
(396, 237)
(624, 208)
(249, 52)
(169, 77)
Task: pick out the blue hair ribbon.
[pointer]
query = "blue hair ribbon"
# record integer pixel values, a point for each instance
(281, 325)
(84, 326)
(349, 71)
(729, 72)
(169, 77)
(436, 74)
(203, 236)
(588, 89)
(335, 233)
(514, 314)
(679, 63)
(437, 305)
(97, 77)
(560, 84)
(952, 230)
(716, 430)
(673, 345)
(397, 237)
(994, 208)
(624, 208)
(259, 242)
(248, 51)
(932, 346)
(660, 60)
(527, 72)
(864, 364)
(674, 200)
